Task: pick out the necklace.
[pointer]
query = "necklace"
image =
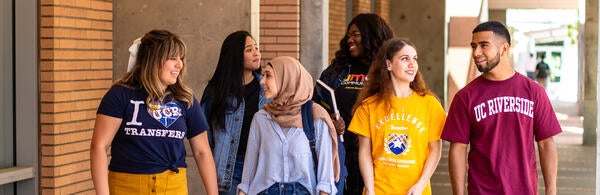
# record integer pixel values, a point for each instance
(248, 79)
(153, 106)
(402, 102)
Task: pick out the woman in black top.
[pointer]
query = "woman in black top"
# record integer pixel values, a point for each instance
(347, 75)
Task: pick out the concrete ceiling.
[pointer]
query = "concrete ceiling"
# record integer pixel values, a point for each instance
(533, 4)
(549, 35)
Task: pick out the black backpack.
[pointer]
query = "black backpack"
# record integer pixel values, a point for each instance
(309, 130)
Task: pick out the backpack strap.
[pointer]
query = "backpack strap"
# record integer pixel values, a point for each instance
(309, 130)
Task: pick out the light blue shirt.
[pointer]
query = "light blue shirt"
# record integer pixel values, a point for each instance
(282, 154)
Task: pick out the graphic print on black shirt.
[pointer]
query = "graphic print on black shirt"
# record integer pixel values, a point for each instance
(150, 137)
(347, 92)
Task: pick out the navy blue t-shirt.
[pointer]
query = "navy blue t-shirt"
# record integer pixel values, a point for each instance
(149, 140)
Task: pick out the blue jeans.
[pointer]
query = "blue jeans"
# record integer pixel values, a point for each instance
(294, 188)
(237, 176)
(343, 170)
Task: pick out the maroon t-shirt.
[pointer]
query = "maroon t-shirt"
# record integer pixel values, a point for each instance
(500, 120)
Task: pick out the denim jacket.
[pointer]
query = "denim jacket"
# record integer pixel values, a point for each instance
(224, 142)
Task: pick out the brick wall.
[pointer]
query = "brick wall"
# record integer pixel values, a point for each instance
(337, 25)
(75, 72)
(361, 6)
(382, 8)
(279, 28)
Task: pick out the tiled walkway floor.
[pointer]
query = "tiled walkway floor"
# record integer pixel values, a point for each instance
(576, 163)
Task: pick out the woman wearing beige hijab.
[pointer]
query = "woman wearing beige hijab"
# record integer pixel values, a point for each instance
(278, 156)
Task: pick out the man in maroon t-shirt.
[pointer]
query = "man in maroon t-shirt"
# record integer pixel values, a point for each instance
(500, 114)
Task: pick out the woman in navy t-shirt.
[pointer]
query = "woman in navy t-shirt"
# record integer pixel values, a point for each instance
(144, 118)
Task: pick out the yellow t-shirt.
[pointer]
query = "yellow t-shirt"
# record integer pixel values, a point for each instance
(399, 135)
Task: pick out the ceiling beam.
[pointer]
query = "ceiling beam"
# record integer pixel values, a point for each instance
(533, 4)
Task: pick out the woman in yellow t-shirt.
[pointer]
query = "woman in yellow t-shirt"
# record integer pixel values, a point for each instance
(399, 122)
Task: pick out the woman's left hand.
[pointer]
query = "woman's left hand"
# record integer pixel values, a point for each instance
(417, 189)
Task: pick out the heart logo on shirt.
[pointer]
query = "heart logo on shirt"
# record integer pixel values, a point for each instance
(166, 114)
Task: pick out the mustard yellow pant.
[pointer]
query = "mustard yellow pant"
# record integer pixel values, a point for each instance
(167, 182)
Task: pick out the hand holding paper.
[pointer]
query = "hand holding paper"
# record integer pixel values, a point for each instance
(327, 100)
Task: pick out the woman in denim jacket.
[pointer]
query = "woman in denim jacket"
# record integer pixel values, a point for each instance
(230, 100)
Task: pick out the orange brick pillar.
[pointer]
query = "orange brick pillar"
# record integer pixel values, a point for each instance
(337, 25)
(382, 8)
(279, 28)
(361, 6)
(75, 72)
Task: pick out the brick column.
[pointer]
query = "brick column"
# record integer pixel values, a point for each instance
(382, 8)
(361, 6)
(279, 28)
(75, 72)
(337, 25)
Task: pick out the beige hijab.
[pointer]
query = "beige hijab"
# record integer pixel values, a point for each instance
(296, 88)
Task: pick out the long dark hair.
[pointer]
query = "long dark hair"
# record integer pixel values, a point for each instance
(227, 81)
(380, 79)
(373, 32)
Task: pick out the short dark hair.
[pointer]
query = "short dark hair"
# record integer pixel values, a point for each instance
(497, 27)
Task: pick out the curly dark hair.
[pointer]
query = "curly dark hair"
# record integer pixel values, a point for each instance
(373, 32)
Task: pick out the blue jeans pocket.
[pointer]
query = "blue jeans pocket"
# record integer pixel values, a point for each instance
(293, 188)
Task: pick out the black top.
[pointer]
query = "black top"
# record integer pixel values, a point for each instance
(542, 69)
(348, 89)
(347, 81)
(251, 93)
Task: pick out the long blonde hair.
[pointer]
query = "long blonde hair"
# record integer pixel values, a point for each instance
(156, 47)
